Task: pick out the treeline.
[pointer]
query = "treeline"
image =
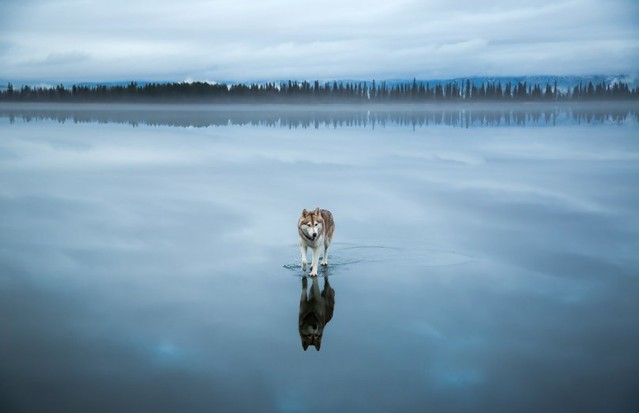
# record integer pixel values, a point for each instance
(318, 92)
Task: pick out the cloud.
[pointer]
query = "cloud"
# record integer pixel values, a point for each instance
(65, 58)
(251, 40)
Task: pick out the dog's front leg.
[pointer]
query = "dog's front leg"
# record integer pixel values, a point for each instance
(303, 253)
(314, 260)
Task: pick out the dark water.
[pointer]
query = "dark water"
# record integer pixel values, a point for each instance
(476, 267)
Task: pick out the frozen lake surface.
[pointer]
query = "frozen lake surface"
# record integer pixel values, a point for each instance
(483, 260)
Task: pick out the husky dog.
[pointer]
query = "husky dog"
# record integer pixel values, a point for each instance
(316, 310)
(316, 230)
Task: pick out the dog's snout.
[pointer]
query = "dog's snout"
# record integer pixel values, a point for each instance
(314, 235)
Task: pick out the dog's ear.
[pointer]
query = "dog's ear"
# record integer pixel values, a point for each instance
(304, 212)
(317, 211)
(317, 345)
(305, 345)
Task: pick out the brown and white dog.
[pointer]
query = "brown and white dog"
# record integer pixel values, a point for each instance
(316, 230)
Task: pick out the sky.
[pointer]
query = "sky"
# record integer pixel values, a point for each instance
(251, 40)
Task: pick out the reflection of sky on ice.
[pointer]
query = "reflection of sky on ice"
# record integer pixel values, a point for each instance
(474, 269)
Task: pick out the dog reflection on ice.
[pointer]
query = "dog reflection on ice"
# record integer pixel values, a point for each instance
(316, 310)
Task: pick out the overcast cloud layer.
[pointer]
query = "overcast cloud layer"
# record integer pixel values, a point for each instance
(100, 40)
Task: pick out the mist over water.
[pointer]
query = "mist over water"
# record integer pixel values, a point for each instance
(484, 259)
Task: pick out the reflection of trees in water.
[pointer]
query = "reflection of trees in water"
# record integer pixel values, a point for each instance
(316, 117)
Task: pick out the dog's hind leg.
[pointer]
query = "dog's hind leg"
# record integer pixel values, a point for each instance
(325, 257)
(327, 243)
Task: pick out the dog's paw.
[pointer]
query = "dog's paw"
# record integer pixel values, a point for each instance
(325, 264)
(304, 265)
